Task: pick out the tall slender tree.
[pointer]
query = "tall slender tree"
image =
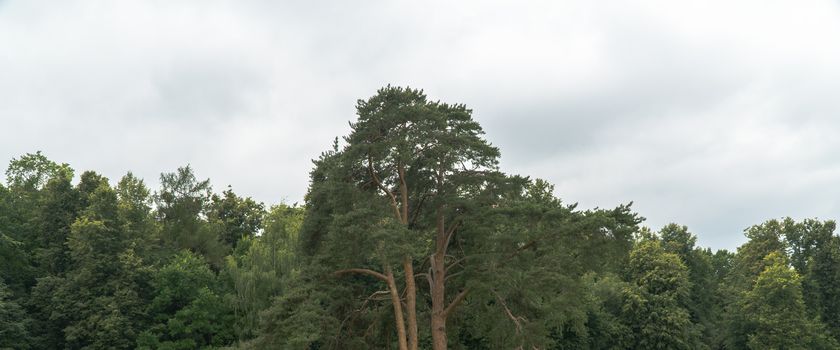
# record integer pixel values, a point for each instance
(424, 158)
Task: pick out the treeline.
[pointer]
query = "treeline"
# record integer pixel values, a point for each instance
(410, 238)
(93, 265)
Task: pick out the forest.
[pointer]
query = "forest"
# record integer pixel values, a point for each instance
(410, 237)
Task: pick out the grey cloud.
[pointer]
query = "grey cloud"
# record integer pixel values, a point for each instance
(205, 90)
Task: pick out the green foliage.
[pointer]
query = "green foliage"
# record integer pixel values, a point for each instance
(815, 254)
(181, 203)
(57, 210)
(187, 308)
(414, 172)
(809, 244)
(533, 239)
(764, 239)
(301, 319)
(239, 217)
(747, 264)
(654, 302)
(14, 325)
(16, 270)
(135, 217)
(605, 327)
(99, 302)
(775, 310)
(266, 262)
(703, 296)
(32, 171)
(182, 206)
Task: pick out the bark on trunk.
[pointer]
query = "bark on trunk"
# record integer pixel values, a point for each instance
(404, 195)
(438, 306)
(401, 212)
(408, 266)
(439, 286)
(398, 312)
(410, 302)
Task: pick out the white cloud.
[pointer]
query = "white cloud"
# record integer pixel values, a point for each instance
(714, 114)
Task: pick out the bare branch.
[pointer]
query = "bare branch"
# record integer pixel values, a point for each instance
(382, 187)
(375, 296)
(363, 272)
(520, 249)
(453, 275)
(429, 278)
(452, 230)
(416, 210)
(455, 302)
(455, 263)
(403, 193)
(517, 320)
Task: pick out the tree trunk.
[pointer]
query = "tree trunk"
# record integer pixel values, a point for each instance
(410, 303)
(438, 306)
(398, 312)
(408, 266)
(439, 286)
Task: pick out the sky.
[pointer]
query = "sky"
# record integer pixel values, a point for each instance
(713, 114)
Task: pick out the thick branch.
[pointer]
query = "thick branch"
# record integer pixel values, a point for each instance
(382, 187)
(375, 296)
(403, 193)
(427, 275)
(363, 272)
(416, 210)
(517, 320)
(455, 302)
(451, 232)
(429, 279)
(440, 239)
(453, 275)
(455, 263)
(520, 249)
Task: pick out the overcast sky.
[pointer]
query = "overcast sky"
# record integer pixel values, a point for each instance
(712, 114)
